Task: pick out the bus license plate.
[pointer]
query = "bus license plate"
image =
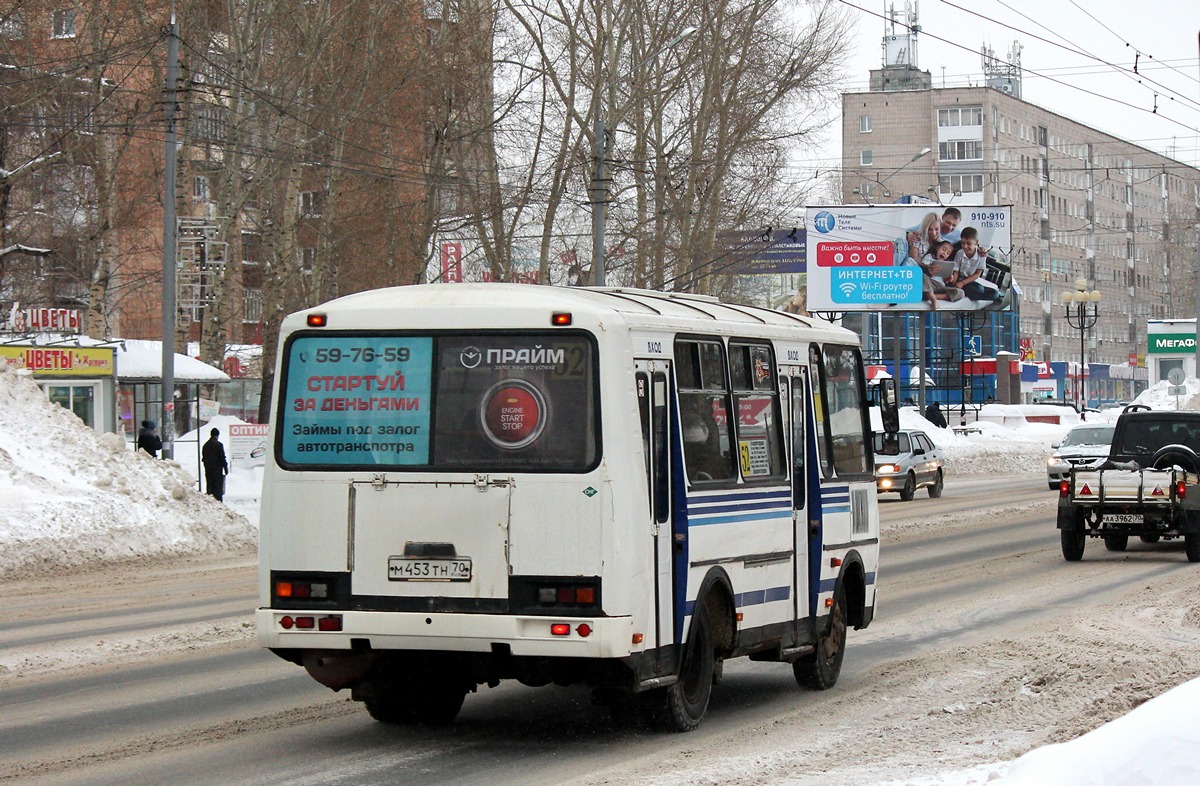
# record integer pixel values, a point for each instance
(406, 569)
(1123, 518)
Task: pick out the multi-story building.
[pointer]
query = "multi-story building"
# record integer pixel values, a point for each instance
(1085, 204)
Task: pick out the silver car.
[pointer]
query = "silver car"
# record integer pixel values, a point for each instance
(1085, 446)
(906, 461)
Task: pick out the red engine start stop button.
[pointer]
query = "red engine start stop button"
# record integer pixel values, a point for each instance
(513, 413)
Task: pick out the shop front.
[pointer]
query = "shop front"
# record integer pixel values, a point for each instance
(80, 378)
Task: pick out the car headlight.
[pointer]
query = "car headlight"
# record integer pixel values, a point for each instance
(887, 468)
(1055, 459)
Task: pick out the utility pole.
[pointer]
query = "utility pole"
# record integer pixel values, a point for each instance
(169, 243)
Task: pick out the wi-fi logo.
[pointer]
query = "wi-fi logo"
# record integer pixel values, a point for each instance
(848, 288)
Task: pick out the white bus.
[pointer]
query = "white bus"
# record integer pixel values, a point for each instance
(610, 487)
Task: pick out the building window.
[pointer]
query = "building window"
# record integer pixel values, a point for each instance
(866, 158)
(864, 124)
(210, 122)
(965, 150)
(62, 23)
(200, 190)
(960, 116)
(308, 260)
(252, 305)
(311, 203)
(960, 184)
(12, 27)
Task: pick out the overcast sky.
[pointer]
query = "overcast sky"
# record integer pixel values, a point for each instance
(1066, 48)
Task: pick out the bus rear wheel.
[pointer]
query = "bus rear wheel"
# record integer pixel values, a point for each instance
(434, 704)
(820, 670)
(684, 703)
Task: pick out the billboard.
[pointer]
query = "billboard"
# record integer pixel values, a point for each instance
(909, 258)
(751, 253)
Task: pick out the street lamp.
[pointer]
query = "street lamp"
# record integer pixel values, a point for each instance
(1082, 317)
(882, 183)
(600, 147)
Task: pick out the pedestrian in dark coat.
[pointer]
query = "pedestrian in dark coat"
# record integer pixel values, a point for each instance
(212, 455)
(933, 413)
(148, 440)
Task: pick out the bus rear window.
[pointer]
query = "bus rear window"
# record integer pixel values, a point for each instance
(491, 401)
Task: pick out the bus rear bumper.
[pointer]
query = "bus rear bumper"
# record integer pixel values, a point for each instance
(584, 637)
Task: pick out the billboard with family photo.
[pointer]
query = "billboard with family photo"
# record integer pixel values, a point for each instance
(910, 258)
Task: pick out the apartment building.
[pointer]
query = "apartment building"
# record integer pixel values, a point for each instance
(1086, 205)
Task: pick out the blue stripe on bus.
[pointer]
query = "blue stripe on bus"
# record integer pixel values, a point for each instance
(778, 515)
(702, 498)
(835, 508)
(770, 504)
(752, 598)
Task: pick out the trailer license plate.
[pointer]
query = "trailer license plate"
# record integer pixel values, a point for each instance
(1123, 518)
(405, 569)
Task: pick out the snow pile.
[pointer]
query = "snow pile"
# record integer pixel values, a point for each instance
(71, 497)
(1157, 397)
(995, 450)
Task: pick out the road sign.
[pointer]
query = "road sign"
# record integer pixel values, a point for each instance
(1177, 390)
(974, 346)
(1176, 377)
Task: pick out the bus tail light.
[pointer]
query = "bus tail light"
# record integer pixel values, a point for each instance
(583, 629)
(567, 596)
(560, 318)
(560, 629)
(1180, 489)
(317, 320)
(292, 588)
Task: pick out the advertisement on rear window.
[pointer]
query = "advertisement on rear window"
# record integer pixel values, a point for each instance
(357, 400)
(910, 258)
(480, 402)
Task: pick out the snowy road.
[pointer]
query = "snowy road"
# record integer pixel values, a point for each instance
(986, 644)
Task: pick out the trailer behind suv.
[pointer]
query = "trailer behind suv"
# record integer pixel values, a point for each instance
(1148, 488)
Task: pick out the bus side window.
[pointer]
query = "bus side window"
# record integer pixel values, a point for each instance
(799, 445)
(661, 451)
(816, 382)
(756, 402)
(703, 402)
(643, 399)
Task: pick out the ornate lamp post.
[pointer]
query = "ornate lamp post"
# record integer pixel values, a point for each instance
(1083, 311)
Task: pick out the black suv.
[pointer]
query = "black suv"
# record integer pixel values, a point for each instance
(1143, 434)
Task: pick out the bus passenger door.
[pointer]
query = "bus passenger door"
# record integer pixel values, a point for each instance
(803, 495)
(654, 398)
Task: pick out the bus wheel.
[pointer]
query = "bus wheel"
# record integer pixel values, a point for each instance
(684, 703)
(436, 704)
(820, 670)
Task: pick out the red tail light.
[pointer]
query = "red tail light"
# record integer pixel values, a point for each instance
(560, 629)
(1064, 488)
(1180, 489)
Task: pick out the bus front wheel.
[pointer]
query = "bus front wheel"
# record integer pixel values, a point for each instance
(820, 670)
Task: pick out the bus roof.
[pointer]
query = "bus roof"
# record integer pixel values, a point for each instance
(636, 307)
